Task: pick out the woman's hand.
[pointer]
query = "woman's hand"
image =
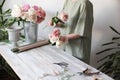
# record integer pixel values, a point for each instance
(69, 37)
(58, 21)
(72, 36)
(63, 39)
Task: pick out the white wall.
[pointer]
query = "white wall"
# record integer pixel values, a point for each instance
(106, 13)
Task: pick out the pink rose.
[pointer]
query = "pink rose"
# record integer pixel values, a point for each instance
(26, 7)
(56, 32)
(39, 19)
(35, 7)
(64, 16)
(50, 23)
(41, 13)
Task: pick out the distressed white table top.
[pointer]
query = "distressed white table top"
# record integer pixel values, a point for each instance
(33, 64)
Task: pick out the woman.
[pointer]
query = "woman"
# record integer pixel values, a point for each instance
(78, 28)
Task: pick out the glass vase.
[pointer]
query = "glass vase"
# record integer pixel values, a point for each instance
(30, 31)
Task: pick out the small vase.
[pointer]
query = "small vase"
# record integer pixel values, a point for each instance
(30, 31)
(14, 34)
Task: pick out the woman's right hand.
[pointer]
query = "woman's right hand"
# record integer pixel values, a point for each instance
(64, 39)
(58, 21)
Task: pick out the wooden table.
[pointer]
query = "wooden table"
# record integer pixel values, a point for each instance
(37, 64)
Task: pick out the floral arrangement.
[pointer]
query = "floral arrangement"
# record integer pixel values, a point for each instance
(58, 20)
(55, 38)
(29, 13)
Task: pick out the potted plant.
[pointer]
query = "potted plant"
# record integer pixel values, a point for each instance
(112, 65)
(6, 20)
(3, 21)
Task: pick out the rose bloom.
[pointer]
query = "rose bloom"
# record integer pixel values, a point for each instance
(26, 7)
(53, 39)
(39, 19)
(31, 11)
(63, 16)
(56, 32)
(31, 18)
(54, 36)
(50, 23)
(41, 13)
(16, 11)
(35, 7)
(59, 43)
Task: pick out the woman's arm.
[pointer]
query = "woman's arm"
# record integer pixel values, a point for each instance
(69, 37)
(72, 36)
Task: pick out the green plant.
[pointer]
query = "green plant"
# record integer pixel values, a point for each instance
(112, 65)
(6, 20)
(3, 21)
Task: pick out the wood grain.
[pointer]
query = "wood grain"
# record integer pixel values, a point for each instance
(34, 63)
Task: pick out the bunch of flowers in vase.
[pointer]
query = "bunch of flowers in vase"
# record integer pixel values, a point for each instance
(31, 16)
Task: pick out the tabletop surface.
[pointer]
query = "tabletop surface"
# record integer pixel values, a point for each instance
(39, 64)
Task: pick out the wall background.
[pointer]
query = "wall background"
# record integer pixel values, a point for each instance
(106, 13)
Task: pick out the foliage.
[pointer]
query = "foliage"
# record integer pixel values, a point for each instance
(112, 65)
(3, 21)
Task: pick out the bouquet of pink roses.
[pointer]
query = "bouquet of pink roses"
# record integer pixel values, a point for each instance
(58, 20)
(55, 38)
(28, 13)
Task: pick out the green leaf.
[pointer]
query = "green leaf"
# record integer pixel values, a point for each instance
(108, 43)
(118, 44)
(115, 38)
(103, 58)
(1, 5)
(107, 65)
(112, 56)
(11, 21)
(4, 22)
(114, 30)
(101, 66)
(7, 11)
(118, 53)
(109, 70)
(105, 50)
(1, 25)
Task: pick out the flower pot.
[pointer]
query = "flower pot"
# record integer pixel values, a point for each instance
(31, 31)
(13, 35)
